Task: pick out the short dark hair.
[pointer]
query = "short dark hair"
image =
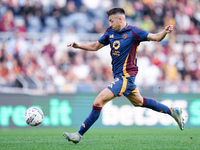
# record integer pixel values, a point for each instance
(114, 11)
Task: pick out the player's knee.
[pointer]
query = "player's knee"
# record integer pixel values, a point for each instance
(138, 103)
(98, 102)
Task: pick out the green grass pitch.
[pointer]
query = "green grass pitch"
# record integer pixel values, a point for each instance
(127, 138)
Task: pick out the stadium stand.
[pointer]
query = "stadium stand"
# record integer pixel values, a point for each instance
(26, 28)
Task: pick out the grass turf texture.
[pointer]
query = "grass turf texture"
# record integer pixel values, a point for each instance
(101, 139)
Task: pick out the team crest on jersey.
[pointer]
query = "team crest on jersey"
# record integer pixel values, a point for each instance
(125, 36)
(116, 44)
(111, 36)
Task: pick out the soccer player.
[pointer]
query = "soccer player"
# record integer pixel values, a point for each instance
(124, 41)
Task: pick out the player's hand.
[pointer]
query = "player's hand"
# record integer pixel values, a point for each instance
(169, 28)
(73, 44)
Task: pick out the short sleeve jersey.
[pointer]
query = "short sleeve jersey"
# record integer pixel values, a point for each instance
(124, 45)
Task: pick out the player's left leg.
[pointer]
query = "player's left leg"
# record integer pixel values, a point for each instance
(137, 100)
(105, 96)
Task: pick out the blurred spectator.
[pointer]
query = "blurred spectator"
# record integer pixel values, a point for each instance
(56, 12)
(130, 11)
(168, 19)
(3, 68)
(147, 24)
(38, 11)
(7, 21)
(159, 12)
(158, 58)
(180, 64)
(140, 9)
(192, 30)
(154, 75)
(98, 27)
(71, 56)
(3, 53)
(69, 8)
(189, 8)
(182, 20)
(195, 74)
(80, 69)
(17, 46)
(26, 11)
(49, 49)
(170, 71)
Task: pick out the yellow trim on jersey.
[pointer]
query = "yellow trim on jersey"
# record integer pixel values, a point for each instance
(135, 91)
(136, 53)
(124, 67)
(123, 86)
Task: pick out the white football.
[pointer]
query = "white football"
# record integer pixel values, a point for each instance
(34, 116)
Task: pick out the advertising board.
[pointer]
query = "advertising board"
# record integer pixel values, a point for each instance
(71, 110)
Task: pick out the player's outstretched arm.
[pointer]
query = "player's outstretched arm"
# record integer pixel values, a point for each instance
(88, 47)
(160, 35)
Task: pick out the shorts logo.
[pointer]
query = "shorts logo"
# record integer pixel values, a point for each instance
(111, 84)
(125, 36)
(116, 44)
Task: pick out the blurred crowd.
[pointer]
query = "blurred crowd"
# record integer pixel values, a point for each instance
(44, 62)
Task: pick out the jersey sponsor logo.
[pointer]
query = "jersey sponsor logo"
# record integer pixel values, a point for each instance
(116, 44)
(114, 52)
(111, 36)
(125, 35)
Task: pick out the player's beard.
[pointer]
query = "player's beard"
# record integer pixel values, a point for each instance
(117, 28)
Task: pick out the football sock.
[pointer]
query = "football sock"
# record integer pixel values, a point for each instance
(89, 121)
(153, 104)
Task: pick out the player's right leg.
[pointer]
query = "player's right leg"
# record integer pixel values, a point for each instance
(105, 96)
(137, 100)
